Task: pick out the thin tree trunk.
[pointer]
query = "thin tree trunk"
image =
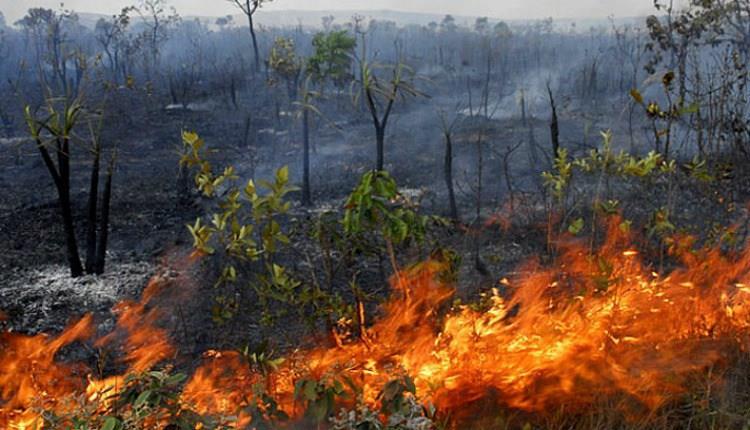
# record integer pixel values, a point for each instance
(253, 36)
(63, 161)
(380, 138)
(486, 95)
(246, 135)
(306, 194)
(448, 172)
(554, 126)
(92, 212)
(101, 249)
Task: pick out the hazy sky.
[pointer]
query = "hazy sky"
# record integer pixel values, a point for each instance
(507, 9)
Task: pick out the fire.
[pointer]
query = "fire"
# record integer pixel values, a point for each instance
(31, 380)
(29, 374)
(590, 327)
(593, 326)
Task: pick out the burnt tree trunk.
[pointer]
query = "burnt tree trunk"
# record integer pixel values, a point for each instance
(380, 144)
(554, 126)
(92, 213)
(66, 211)
(254, 37)
(380, 124)
(246, 134)
(101, 248)
(448, 173)
(306, 194)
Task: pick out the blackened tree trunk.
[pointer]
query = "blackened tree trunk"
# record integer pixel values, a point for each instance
(380, 144)
(63, 188)
(448, 173)
(101, 248)
(246, 135)
(92, 213)
(554, 126)
(306, 194)
(254, 37)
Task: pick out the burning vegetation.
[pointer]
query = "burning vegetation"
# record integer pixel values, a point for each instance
(592, 328)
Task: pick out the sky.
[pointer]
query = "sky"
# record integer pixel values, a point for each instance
(502, 9)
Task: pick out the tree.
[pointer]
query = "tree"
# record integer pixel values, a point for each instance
(289, 66)
(223, 21)
(111, 36)
(381, 95)
(327, 22)
(690, 34)
(53, 135)
(482, 25)
(448, 126)
(448, 24)
(286, 64)
(46, 30)
(332, 57)
(306, 107)
(249, 7)
(157, 22)
(502, 30)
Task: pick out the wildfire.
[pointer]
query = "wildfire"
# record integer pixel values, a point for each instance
(32, 381)
(593, 326)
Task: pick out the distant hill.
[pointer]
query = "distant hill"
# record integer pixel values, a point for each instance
(291, 18)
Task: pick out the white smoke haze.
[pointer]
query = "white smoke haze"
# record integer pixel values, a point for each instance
(500, 9)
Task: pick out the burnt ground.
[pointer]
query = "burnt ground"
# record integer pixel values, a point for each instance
(149, 238)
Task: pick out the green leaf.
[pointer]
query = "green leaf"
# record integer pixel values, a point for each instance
(576, 227)
(175, 379)
(111, 423)
(282, 175)
(142, 398)
(311, 390)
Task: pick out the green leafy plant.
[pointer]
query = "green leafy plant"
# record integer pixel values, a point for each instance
(376, 205)
(320, 396)
(559, 179)
(245, 229)
(332, 57)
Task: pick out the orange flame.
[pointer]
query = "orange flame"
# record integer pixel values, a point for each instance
(593, 326)
(29, 374)
(31, 380)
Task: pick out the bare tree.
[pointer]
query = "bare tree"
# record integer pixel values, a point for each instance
(380, 98)
(448, 126)
(111, 36)
(46, 30)
(249, 7)
(157, 22)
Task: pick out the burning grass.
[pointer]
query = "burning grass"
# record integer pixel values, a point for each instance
(593, 329)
